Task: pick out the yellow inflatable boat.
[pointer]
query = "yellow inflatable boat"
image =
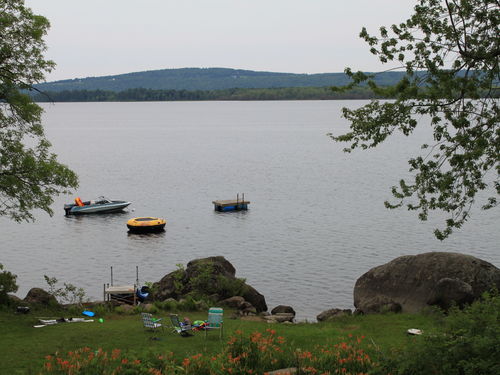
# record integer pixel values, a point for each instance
(146, 224)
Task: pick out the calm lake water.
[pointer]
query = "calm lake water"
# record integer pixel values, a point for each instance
(316, 221)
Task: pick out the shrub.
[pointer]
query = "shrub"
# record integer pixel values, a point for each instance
(68, 294)
(469, 344)
(231, 287)
(7, 285)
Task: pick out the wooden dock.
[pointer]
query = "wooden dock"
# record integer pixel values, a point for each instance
(121, 293)
(231, 204)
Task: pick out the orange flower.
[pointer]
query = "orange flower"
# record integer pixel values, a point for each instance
(186, 362)
(124, 360)
(136, 362)
(48, 366)
(115, 353)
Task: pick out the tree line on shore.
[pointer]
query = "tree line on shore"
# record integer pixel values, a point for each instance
(143, 94)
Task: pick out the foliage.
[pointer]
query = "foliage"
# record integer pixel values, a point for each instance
(179, 277)
(229, 287)
(7, 284)
(257, 353)
(468, 345)
(206, 281)
(143, 94)
(87, 361)
(29, 174)
(205, 79)
(450, 51)
(185, 304)
(68, 293)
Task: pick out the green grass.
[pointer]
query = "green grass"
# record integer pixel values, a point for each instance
(23, 348)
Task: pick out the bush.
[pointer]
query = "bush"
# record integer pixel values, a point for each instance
(469, 344)
(7, 285)
(69, 294)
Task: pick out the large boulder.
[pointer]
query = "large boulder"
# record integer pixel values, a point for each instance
(283, 309)
(255, 298)
(212, 276)
(234, 302)
(332, 314)
(219, 264)
(39, 296)
(410, 283)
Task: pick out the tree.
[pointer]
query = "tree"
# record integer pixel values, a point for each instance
(30, 175)
(7, 284)
(450, 51)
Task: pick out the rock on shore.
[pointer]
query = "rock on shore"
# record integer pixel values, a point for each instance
(410, 283)
(216, 275)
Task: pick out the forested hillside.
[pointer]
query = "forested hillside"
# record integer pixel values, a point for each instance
(193, 79)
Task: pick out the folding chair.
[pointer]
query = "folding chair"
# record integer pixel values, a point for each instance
(179, 327)
(151, 323)
(215, 321)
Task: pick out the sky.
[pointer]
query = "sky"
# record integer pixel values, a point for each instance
(106, 37)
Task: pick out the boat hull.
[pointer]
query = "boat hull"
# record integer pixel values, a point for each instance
(96, 208)
(146, 224)
(146, 229)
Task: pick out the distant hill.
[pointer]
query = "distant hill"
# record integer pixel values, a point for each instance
(206, 79)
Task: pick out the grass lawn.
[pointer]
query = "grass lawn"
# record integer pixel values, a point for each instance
(23, 348)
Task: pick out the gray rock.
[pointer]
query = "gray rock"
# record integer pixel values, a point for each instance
(279, 318)
(283, 309)
(246, 308)
(220, 265)
(448, 292)
(411, 283)
(41, 297)
(234, 302)
(179, 283)
(255, 298)
(332, 314)
(167, 287)
(14, 299)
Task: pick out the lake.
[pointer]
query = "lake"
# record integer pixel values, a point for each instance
(316, 221)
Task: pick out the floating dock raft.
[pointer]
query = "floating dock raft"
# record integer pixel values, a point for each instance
(231, 204)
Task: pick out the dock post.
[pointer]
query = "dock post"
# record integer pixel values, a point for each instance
(111, 275)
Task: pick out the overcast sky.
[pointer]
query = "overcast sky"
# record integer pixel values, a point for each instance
(107, 37)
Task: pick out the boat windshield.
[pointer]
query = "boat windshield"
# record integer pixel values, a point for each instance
(102, 200)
